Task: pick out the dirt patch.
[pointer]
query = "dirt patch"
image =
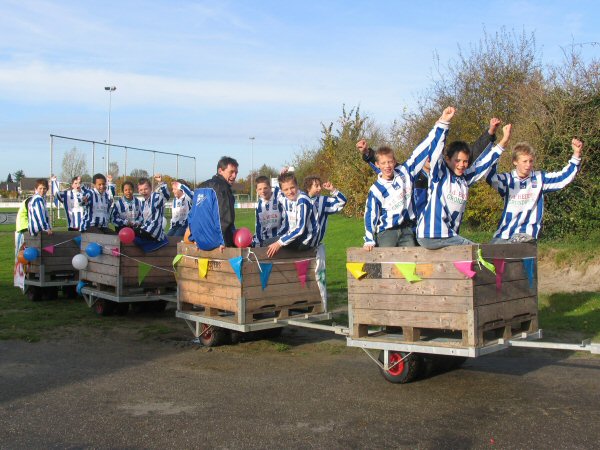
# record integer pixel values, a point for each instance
(575, 277)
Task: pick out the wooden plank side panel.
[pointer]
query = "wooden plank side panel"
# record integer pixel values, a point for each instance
(410, 254)
(420, 319)
(506, 311)
(391, 302)
(509, 290)
(100, 278)
(403, 287)
(212, 277)
(210, 301)
(209, 289)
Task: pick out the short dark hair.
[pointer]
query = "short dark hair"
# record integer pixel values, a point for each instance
(309, 181)
(127, 183)
(287, 177)
(98, 176)
(41, 182)
(456, 147)
(262, 179)
(74, 178)
(226, 161)
(143, 180)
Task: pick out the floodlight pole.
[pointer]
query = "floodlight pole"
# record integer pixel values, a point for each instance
(110, 90)
(251, 168)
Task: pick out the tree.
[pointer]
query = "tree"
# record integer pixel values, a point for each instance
(9, 178)
(113, 169)
(18, 175)
(73, 164)
(139, 173)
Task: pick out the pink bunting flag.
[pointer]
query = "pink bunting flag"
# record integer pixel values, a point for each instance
(115, 252)
(499, 265)
(49, 249)
(301, 268)
(465, 267)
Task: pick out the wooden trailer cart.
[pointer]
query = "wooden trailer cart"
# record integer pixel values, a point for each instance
(52, 271)
(112, 278)
(219, 307)
(450, 314)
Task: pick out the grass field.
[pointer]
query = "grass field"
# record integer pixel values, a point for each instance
(23, 319)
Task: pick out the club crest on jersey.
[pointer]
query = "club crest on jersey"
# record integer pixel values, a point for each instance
(200, 199)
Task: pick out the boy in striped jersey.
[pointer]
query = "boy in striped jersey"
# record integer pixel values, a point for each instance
(72, 200)
(126, 211)
(38, 214)
(323, 206)
(182, 204)
(523, 192)
(389, 211)
(97, 214)
(153, 209)
(299, 223)
(449, 183)
(269, 211)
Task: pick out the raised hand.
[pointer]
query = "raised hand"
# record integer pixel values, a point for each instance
(447, 114)
(494, 124)
(158, 177)
(327, 185)
(109, 178)
(507, 130)
(577, 146)
(362, 147)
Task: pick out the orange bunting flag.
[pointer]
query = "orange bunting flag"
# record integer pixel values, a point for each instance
(356, 269)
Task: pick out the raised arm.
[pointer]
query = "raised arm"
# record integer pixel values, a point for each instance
(554, 181)
(336, 201)
(57, 194)
(485, 139)
(486, 161)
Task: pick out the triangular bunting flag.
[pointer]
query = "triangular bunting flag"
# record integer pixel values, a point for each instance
(143, 270)
(265, 273)
(176, 260)
(202, 267)
(499, 266)
(466, 267)
(236, 264)
(529, 266)
(408, 271)
(115, 252)
(356, 269)
(49, 249)
(77, 240)
(301, 268)
(489, 266)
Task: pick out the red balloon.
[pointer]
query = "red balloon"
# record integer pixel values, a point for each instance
(242, 237)
(126, 235)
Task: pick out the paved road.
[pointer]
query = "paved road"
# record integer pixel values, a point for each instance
(119, 391)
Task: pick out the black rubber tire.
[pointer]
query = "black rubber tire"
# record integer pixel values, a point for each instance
(122, 309)
(50, 293)
(104, 307)
(407, 369)
(212, 336)
(70, 292)
(34, 293)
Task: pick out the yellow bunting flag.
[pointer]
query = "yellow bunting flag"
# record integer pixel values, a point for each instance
(176, 260)
(488, 265)
(408, 271)
(202, 267)
(143, 270)
(356, 269)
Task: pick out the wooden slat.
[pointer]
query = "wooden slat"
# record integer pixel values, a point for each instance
(213, 301)
(390, 302)
(410, 254)
(447, 321)
(281, 291)
(402, 287)
(487, 294)
(98, 278)
(505, 310)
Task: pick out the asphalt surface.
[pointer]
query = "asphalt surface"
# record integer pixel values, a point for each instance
(305, 390)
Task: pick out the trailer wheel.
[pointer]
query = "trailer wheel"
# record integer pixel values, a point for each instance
(405, 367)
(212, 336)
(34, 293)
(104, 307)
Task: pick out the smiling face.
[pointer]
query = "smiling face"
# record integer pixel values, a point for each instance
(524, 164)
(264, 191)
(128, 191)
(289, 189)
(386, 163)
(100, 185)
(458, 162)
(229, 173)
(144, 190)
(41, 190)
(76, 184)
(315, 189)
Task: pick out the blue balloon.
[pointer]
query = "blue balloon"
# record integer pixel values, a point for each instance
(93, 249)
(31, 253)
(80, 286)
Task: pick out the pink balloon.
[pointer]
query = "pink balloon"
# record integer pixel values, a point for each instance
(126, 235)
(242, 237)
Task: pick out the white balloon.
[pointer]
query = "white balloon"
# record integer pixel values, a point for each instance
(80, 261)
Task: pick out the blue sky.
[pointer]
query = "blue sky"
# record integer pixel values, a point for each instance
(200, 78)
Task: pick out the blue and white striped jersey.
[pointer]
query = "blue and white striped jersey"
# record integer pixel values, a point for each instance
(390, 202)
(97, 212)
(323, 207)
(38, 215)
(448, 194)
(268, 217)
(126, 212)
(299, 222)
(182, 207)
(524, 198)
(72, 201)
(153, 212)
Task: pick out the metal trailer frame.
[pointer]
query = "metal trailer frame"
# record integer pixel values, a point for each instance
(42, 283)
(91, 296)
